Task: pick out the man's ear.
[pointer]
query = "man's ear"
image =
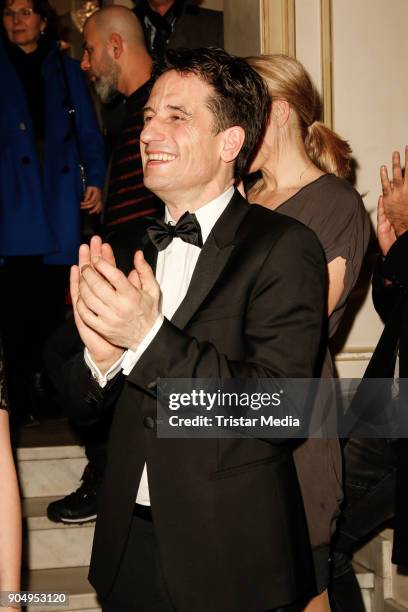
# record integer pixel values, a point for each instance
(117, 45)
(280, 112)
(232, 143)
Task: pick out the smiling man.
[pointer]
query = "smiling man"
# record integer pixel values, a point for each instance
(222, 289)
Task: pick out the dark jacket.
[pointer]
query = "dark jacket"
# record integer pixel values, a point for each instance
(194, 27)
(39, 206)
(391, 302)
(228, 514)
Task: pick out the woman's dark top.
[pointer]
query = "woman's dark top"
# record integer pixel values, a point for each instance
(334, 210)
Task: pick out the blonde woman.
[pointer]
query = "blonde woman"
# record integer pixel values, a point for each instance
(303, 167)
(10, 515)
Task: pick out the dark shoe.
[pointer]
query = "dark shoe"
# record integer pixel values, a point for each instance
(30, 420)
(79, 506)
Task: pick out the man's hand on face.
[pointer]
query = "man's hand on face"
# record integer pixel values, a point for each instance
(395, 194)
(120, 310)
(103, 353)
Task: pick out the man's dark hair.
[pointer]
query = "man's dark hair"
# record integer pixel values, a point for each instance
(240, 95)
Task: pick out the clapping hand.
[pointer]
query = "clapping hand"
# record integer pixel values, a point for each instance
(103, 353)
(394, 201)
(113, 312)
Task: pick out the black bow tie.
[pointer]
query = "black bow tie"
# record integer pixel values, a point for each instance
(187, 228)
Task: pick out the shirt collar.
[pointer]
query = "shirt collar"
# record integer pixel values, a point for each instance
(208, 215)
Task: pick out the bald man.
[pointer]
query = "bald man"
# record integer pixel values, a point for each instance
(116, 59)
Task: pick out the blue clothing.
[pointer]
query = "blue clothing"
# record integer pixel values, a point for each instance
(40, 199)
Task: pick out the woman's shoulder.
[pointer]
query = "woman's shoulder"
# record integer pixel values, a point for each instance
(336, 187)
(334, 198)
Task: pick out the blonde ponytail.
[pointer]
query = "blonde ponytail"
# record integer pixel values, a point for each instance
(287, 79)
(327, 150)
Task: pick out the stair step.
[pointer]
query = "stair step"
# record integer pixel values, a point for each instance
(53, 545)
(364, 577)
(73, 580)
(390, 605)
(50, 460)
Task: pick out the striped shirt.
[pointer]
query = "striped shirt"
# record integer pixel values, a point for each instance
(128, 198)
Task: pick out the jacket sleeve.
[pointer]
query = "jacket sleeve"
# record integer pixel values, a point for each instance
(92, 148)
(283, 324)
(85, 402)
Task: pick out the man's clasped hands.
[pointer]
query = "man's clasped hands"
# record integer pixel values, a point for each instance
(112, 312)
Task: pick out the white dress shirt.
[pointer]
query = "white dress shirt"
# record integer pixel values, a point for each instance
(175, 267)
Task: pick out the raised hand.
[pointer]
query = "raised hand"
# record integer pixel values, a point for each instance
(103, 353)
(121, 310)
(395, 194)
(385, 231)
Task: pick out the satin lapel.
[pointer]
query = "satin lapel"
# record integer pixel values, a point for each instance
(214, 255)
(150, 253)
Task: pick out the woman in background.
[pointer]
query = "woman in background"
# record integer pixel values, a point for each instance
(41, 187)
(10, 514)
(303, 167)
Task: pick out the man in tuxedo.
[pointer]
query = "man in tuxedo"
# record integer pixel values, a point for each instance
(221, 290)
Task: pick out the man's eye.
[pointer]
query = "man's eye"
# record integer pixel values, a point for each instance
(147, 118)
(177, 118)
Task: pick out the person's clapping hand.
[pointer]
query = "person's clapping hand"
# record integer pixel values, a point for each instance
(103, 353)
(394, 203)
(121, 310)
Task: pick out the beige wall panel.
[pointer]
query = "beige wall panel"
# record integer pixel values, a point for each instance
(308, 41)
(242, 27)
(370, 92)
(216, 5)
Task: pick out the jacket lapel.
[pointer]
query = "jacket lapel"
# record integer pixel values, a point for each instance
(214, 255)
(150, 252)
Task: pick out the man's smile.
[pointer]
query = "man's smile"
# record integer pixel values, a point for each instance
(160, 157)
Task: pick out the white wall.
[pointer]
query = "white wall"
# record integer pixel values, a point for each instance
(370, 93)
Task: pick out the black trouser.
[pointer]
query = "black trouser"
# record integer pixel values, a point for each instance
(32, 305)
(140, 585)
(63, 344)
(369, 482)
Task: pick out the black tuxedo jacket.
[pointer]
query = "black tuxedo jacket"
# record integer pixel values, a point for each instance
(227, 513)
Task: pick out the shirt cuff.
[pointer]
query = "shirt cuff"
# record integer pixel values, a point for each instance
(131, 358)
(103, 379)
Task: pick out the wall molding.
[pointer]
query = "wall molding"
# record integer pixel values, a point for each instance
(326, 50)
(278, 28)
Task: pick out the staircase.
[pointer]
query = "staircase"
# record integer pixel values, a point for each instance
(55, 556)
(50, 463)
(384, 586)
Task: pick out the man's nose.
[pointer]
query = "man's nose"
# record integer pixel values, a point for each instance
(152, 131)
(85, 65)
